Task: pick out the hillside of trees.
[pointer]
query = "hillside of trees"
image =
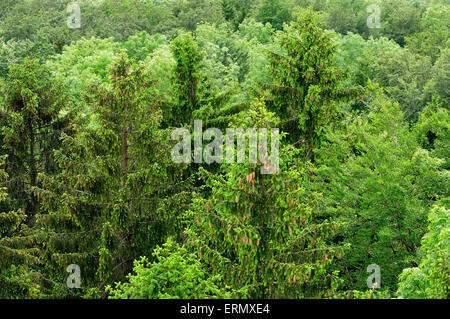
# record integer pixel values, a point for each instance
(93, 205)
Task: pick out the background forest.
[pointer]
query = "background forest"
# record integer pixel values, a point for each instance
(86, 176)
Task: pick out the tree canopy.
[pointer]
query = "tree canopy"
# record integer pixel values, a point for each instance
(339, 110)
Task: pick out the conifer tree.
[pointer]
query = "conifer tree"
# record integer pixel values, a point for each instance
(17, 277)
(187, 80)
(262, 232)
(307, 87)
(31, 121)
(113, 198)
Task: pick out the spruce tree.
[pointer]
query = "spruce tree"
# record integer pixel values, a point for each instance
(263, 232)
(307, 86)
(187, 80)
(116, 195)
(31, 122)
(17, 276)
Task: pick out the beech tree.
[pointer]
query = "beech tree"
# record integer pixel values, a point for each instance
(431, 278)
(371, 172)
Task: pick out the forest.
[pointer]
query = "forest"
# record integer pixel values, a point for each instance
(350, 98)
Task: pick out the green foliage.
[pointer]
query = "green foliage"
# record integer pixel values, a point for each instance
(433, 131)
(34, 20)
(187, 81)
(434, 31)
(111, 176)
(368, 294)
(405, 76)
(190, 13)
(16, 281)
(275, 12)
(14, 51)
(409, 78)
(250, 29)
(159, 64)
(86, 175)
(432, 278)
(262, 232)
(222, 57)
(307, 85)
(31, 113)
(31, 121)
(141, 45)
(439, 82)
(84, 63)
(356, 54)
(400, 19)
(380, 183)
(346, 16)
(236, 11)
(175, 274)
